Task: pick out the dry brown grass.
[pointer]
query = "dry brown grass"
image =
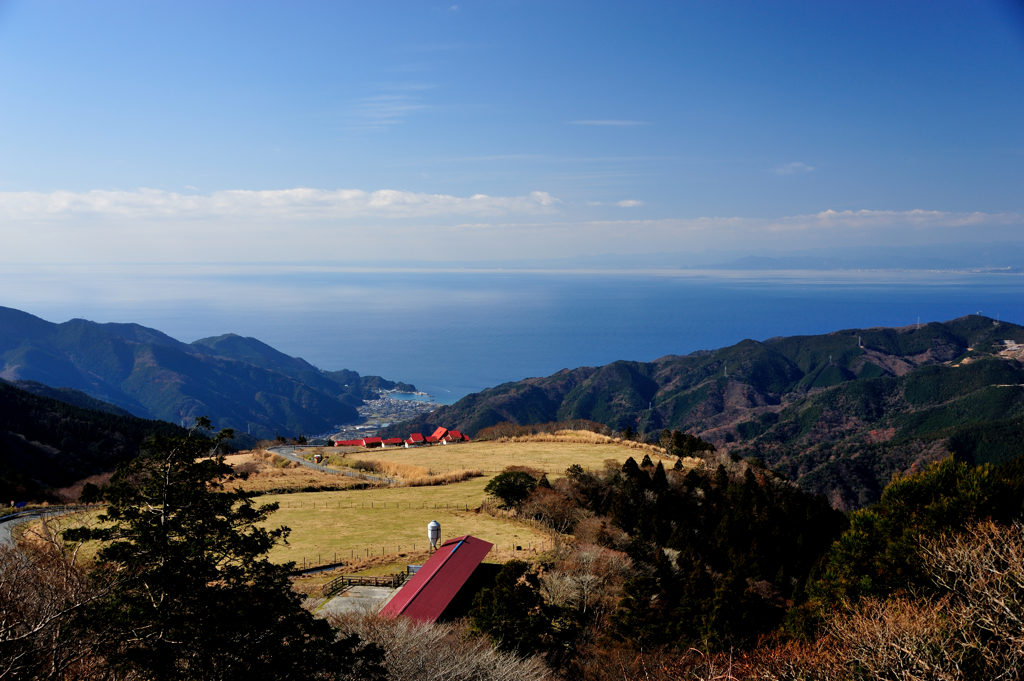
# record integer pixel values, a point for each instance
(450, 477)
(412, 475)
(589, 438)
(257, 471)
(552, 454)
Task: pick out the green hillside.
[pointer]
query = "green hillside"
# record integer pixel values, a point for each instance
(839, 412)
(47, 442)
(238, 382)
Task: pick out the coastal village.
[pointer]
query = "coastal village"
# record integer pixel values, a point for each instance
(441, 436)
(380, 413)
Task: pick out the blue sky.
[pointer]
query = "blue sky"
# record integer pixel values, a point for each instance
(171, 131)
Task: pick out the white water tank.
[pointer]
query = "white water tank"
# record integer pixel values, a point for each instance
(434, 533)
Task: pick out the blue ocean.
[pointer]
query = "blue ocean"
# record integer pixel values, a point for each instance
(455, 332)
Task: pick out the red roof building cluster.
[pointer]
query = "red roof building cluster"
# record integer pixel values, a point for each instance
(440, 436)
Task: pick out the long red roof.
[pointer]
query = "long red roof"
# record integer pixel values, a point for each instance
(428, 593)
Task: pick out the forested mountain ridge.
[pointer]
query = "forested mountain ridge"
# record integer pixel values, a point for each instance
(238, 382)
(839, 412)
(52, 442)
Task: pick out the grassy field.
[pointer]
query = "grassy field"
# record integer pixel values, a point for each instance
(385, 522)
(380, 528)
(493, 457)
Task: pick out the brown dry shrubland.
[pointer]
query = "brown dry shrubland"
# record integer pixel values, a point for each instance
(974, 628)
(438, 652)
(41, 589)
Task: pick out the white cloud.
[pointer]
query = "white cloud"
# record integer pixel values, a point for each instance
(793, 168)
(288, 204)
(610, 122)
(629, 203)
(356, 226)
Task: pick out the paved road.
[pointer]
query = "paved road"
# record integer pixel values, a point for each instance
(288, 453)
(8, 523)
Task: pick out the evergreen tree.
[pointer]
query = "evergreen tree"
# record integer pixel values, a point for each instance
(196, 597)
(659, 481)
(513, 614)
(511, 488)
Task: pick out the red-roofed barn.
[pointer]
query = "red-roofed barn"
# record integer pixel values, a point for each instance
(432, 588)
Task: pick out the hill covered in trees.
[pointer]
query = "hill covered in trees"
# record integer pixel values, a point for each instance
(839, 413)
(50, 442)
(238, 382)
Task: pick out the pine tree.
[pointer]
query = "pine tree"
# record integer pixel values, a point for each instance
(196, 596)
(659, 481)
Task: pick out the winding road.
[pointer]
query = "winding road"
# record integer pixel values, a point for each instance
(288, 452)
(9, 522)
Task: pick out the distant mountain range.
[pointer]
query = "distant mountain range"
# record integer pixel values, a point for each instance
(839, 413)
(238, 382)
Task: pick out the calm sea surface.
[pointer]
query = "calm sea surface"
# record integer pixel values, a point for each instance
(452, 333)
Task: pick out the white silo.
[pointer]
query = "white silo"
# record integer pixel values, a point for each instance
(434, 533)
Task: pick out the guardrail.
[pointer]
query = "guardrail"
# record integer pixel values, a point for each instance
(339, 584)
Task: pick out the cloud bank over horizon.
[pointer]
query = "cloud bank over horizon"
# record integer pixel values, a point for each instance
(300, 203)
(149, 225)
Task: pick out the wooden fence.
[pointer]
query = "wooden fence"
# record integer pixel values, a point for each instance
(339, 584)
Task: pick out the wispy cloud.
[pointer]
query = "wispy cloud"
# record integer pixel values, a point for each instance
(629, 203)
(793, 168)
(385, 110)
(290, 204)
(394, 103)
(610, 122)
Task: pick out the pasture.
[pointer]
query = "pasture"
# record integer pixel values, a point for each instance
(387, 521)
(383, 526)
(493, 457)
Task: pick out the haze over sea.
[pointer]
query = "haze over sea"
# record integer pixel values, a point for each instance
(456, 332)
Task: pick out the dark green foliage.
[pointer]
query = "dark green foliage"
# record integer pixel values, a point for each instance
(681, 444)
(992, 442)
(716, 555)
(879, 554)
(514, 616)
(512, 488)
(45, 442)
(611, 395)
(196, 597)
(937, 383)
